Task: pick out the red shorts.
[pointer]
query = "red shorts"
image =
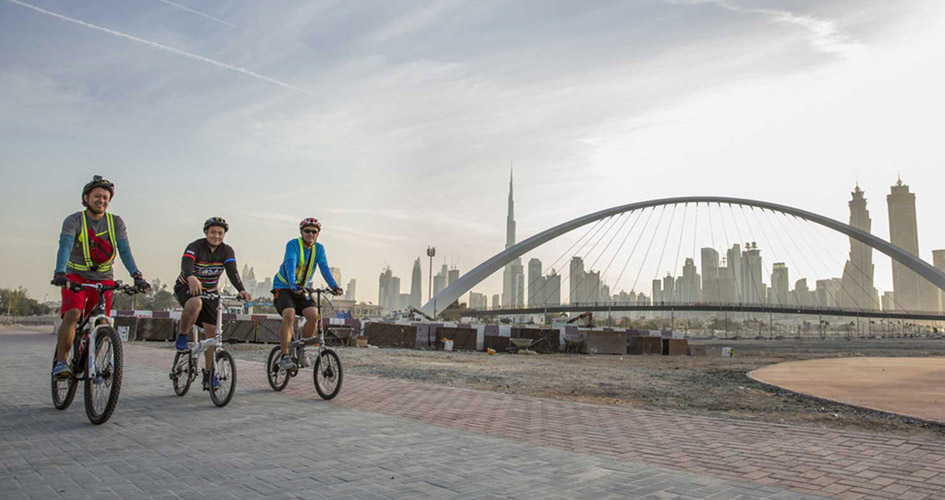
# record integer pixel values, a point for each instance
(85, 299)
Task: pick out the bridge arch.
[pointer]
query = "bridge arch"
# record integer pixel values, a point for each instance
(472, 278)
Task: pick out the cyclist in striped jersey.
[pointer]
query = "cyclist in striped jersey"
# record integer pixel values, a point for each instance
(202, 264)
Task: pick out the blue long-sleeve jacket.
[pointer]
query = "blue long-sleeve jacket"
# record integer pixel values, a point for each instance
(291, 261)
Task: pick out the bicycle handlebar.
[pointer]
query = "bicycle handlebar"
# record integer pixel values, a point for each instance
(75, 286)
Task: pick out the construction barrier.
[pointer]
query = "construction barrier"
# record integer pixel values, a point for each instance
(464, 339)
(155, 329)
(603, 342)
(646, 345)
(392, 335)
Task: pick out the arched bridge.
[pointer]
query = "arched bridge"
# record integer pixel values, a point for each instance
(498, 261)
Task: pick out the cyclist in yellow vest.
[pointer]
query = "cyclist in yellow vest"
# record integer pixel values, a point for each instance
(88, 244)
(295, 273)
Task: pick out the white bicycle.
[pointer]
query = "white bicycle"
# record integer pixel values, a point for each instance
(184, 370)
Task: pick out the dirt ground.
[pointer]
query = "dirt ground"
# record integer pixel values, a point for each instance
(710, 385)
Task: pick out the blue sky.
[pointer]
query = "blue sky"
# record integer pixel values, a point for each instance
(395, 122)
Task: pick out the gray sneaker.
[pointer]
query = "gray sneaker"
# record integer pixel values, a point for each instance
(287, 363)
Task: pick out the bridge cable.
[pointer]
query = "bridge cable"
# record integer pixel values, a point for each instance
(596, 231)
(659, 264)
(594, 228)
(682, 230)
(718, 275)
(809, 265)
(730, 265)
(591, 266)
(622, 243)
(634, 249)
(648, 247)
(827, 267)
(577, 285)
(751, 275)
(867, 293)
(782, 301)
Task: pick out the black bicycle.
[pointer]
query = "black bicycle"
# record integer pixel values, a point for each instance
(327, 368)
(101, 371)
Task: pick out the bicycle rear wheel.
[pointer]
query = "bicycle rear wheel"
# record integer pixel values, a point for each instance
(224, 369)
(103, 386)
(278, 378)
(182, 373)
(63, 388)
(327, 374)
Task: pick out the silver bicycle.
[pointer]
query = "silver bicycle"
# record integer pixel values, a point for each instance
(184, 370)
(327, 368)
(101, 371)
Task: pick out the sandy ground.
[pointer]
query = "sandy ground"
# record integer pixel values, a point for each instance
(710, 385)
(908, 386)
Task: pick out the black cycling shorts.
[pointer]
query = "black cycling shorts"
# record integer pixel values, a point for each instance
(208, 313)
(285, 299)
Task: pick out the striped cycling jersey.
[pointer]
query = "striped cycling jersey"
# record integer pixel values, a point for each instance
(208, 265)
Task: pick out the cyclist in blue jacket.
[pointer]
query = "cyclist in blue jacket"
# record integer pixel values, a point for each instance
(302, 255)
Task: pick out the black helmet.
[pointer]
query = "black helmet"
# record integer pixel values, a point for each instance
(216, 221)
(97, 182)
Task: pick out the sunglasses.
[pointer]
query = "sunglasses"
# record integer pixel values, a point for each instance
(310, 231)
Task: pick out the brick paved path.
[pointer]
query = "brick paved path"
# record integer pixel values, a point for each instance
(375, 441)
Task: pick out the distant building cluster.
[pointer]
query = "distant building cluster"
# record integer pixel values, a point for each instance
(738, 275)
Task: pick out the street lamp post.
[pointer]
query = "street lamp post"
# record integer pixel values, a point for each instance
(431, 252)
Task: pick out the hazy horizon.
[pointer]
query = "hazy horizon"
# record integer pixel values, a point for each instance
(395, 123)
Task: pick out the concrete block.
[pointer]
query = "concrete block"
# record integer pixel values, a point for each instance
(235, 330)
(698, 350)
(603, 342)
(128, 325)
(675, 347)
(391, 335)
(464, 339)
(645, 345)
(499, 344)
(155, 329)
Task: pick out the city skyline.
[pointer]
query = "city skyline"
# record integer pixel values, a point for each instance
(438, 98)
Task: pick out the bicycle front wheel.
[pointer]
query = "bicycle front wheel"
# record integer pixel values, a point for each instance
(327, 374)
(182, 373)
(63, 388)
(224, 370)
(103, 386)
(278, 378)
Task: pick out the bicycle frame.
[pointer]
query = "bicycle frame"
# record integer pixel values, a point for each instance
(217, 341)
(90, 325)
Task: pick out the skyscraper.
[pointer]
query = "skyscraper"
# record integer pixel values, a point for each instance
(938, 260)
(535, 283)
(753, 287)
(690, 284)
(513, 278)
(351, 291)
(903, 232)
(440, 281)
(576, 281)
(732, 278)
(416, 284)
(552, 293)
(780, 285)
(383, 289)
(710, 275)
(857, 292)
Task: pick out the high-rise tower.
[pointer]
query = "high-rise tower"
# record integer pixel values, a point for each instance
(513, 278)
(857, 278)
(903, 233)
(416, 284)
